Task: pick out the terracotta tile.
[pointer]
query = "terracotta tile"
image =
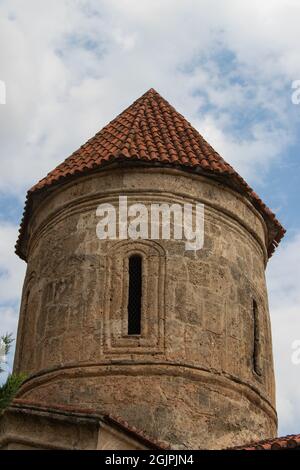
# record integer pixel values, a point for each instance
(277, 443)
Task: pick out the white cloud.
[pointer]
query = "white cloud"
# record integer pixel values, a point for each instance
(249, 156)
(12, 269)
(9, 320)
(284, 294)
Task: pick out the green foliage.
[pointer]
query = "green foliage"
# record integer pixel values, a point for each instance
(9, 389)
(13, 382)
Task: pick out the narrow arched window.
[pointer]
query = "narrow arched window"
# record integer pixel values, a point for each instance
(256, 339)
(135, 295)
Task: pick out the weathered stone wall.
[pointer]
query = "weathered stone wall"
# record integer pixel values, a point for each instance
(189, 378)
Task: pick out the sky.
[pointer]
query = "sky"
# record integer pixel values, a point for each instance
(70, 66)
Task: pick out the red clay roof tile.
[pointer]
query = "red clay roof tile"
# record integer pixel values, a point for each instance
(291, 441)
(150, 130)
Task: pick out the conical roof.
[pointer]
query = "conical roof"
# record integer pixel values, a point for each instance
(150, 131)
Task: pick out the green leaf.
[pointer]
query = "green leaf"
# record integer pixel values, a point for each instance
(9, 389)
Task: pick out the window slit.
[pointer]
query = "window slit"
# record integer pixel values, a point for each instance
(256, 340)
(135, 295)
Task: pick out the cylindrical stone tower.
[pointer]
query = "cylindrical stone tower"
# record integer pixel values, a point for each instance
(194, 368)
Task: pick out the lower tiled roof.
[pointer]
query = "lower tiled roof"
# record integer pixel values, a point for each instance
(291, 441)
(113, 420)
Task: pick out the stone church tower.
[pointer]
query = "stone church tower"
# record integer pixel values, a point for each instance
(175, 342)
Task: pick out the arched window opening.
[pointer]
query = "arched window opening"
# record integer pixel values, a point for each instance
(135, 295)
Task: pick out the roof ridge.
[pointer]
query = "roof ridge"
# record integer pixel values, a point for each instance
(91, 413)
(135, 125)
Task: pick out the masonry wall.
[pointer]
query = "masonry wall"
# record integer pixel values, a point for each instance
(189, 379)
